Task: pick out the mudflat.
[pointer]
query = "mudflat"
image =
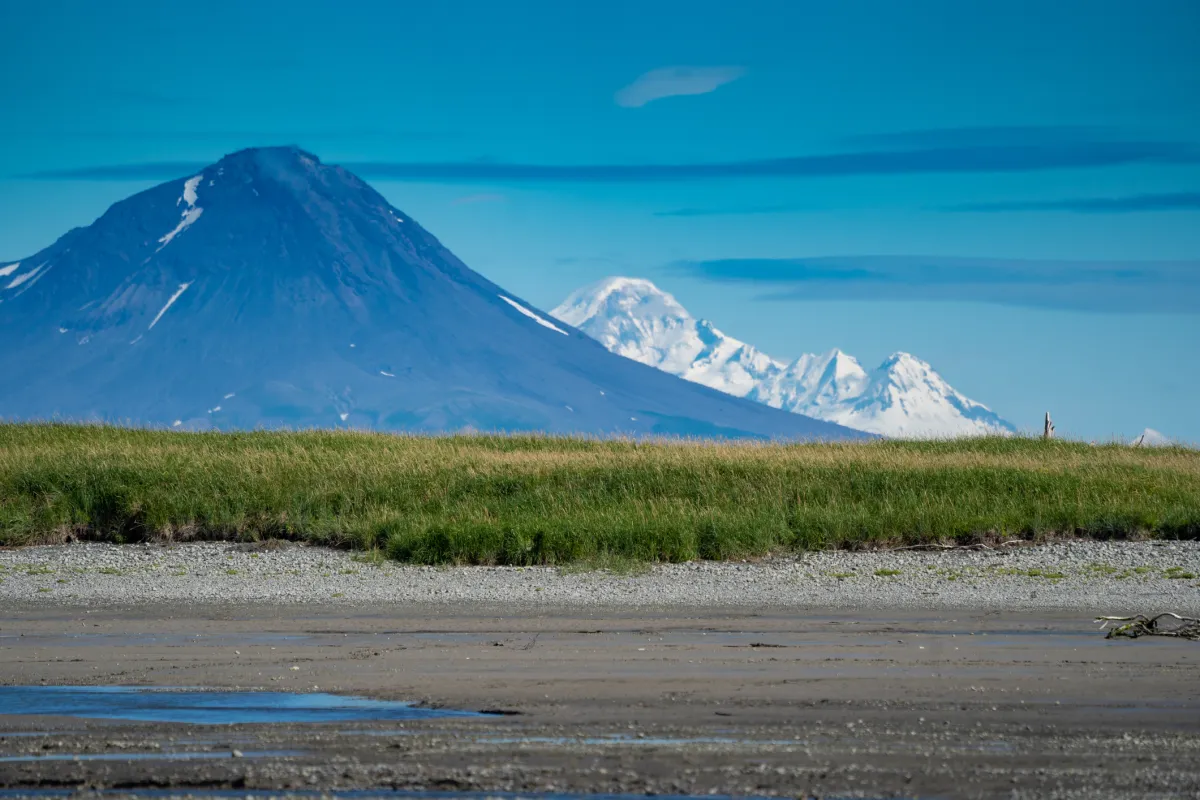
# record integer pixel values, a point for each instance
(736, 700)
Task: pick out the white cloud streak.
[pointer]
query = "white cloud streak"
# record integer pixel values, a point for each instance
(675, 81)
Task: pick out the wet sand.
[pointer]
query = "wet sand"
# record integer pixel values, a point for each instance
(738, 701)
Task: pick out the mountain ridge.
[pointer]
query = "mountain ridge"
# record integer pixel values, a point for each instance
(903, 397)
(272, 290)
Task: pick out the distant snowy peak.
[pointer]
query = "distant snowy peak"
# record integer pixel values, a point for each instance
(634, 318)
(1152, 438)
(633, 297)
(903, 397)
(906, 398)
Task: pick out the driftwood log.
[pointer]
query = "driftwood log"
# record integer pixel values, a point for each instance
(1167, 624)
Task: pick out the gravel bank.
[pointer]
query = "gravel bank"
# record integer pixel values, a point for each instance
(1109, 577)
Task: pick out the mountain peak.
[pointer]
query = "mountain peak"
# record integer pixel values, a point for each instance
(634, 318)
(283, 163)
(902, 397)
(837, 355)
(906, 366)
(619, 295)
(620, 283)
(901, 358)
(274, 154)
(841, 366)
(242, 176)
(638, 288)
(269, 289)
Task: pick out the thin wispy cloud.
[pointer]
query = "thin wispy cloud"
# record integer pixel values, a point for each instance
(984, 135)
(981, 159)
(1170, 201)
(151, 170)
(675, 82)
(1108, 286)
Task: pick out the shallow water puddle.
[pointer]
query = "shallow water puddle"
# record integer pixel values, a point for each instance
(199, 707)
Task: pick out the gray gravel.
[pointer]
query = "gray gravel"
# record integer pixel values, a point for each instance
(1108, 577)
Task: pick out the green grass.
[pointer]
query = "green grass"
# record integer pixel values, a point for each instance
(1041, 573)
(607, 562)
(374, 557)
(544, 500)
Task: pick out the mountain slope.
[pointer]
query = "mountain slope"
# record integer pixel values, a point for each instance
(903, 397)
(273, 290)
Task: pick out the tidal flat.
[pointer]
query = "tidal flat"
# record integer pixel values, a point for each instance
(749, 701)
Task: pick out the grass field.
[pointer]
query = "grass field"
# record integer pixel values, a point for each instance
(542, 500)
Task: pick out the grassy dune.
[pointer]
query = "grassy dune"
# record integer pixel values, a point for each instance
(535, 500)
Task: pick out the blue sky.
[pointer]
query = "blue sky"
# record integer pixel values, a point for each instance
(1010, 191)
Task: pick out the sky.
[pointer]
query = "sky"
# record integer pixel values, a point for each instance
(1009, 191)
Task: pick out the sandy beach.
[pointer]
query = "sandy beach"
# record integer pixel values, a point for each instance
(589, 689)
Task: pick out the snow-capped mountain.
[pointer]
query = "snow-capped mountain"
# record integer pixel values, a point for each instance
(273, 290)
(903, 397)
(1152, 438)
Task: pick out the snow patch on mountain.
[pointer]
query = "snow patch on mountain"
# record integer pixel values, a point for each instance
(189, 190)
(189, 215)
(183, 287)
(535, 317)
(903, 397)
(9, 270)
(24, 277)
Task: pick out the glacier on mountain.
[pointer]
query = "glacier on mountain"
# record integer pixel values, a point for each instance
(904, 397)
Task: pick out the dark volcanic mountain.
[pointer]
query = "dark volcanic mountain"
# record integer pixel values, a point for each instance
(273, 290)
